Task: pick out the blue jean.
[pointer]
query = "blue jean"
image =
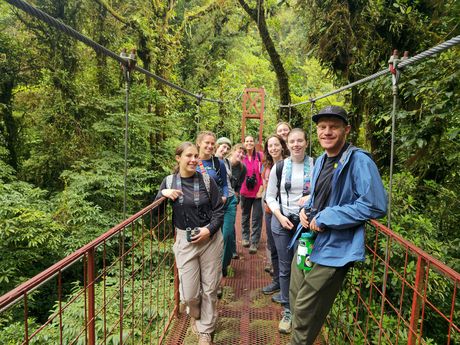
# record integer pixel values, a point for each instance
(272, 246)
(281, 238)
(228, 233)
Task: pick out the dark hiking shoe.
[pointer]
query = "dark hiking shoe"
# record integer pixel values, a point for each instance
(277, 298)
(271, 288)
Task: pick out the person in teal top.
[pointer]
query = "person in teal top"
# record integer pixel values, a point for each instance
(228, 228)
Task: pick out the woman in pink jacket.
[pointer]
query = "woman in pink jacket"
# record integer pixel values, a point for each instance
(251, 196)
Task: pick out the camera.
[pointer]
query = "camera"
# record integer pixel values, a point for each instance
(311, 213)
(294, 219)
(191, 232)
(251, 181)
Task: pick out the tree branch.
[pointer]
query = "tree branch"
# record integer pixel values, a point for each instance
(114, 13)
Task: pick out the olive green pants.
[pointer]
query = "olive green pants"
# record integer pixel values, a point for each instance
(311, 295)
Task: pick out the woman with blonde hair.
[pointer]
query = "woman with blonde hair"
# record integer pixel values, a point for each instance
(209, 164)
(283, 129)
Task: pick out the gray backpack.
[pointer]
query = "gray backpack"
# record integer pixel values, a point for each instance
(206, 180)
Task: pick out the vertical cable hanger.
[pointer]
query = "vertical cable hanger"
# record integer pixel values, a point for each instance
(198, 105)
(313, 110)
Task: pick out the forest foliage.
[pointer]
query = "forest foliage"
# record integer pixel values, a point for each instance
(62, 107)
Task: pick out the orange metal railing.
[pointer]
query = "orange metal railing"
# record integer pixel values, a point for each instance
(400, 295)
(118, 289)
(122, 289)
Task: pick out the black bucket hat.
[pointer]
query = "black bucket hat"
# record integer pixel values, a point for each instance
(331, 111)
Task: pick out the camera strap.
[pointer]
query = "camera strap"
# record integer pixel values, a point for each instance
(307, 169)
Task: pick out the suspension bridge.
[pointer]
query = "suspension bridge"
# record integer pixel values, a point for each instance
(127, 290)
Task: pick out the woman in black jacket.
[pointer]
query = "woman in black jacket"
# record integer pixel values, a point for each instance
(197, 217)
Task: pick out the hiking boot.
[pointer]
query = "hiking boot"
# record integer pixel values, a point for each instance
(219, 292)
(285, 323)
(277, 298)
(245, 243)
(271, 288)
(204, 339)
(193, 326)
(253, 249)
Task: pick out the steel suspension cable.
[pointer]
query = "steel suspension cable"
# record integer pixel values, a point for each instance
(127, 76)
(427, 53)
(35, 12)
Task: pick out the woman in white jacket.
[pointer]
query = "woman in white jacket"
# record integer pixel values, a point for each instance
(285, 198)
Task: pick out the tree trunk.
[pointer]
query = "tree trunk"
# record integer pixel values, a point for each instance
(257, 15)
(11, 128)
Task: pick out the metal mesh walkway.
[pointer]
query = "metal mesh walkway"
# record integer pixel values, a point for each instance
(246, 316)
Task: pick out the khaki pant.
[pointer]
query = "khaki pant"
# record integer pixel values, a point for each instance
(200, 272)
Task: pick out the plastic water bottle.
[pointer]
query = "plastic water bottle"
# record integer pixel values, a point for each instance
(304, 250)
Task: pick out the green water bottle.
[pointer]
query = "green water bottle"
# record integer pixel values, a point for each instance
(304, 250)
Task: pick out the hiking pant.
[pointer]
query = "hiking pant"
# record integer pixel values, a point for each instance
(228, 233)
(282, 237)
(273, 251)
(315, 296)
(248, 204)
(200, 271)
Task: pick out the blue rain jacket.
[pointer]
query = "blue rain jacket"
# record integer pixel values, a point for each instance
(357, 195)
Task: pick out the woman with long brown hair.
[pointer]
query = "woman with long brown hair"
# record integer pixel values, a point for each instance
(275, 149)
(197, 217)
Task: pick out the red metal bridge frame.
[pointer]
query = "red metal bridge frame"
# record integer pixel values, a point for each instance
(253, 108)
(358, 318)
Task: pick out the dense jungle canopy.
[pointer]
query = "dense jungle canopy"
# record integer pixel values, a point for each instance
(62, 106)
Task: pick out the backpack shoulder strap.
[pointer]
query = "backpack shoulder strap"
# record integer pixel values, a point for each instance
(279, 172)
(216, 164)
(169, 181)
(207, 184)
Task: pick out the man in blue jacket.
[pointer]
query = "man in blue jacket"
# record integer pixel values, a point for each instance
(346, 192)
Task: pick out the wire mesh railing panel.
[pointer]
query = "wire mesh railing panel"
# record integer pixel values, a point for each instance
(118, 289)
(399, 295)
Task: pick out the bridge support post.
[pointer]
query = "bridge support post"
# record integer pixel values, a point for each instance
(417, 301)
(253, 108)
(91, 322)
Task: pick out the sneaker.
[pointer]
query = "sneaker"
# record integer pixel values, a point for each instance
(285, 323)
(235, 256)
(219, 292)
(277, 298)
(245, 243)
(204, 339)
(271, 288)
(253, 249)
(193, 326)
